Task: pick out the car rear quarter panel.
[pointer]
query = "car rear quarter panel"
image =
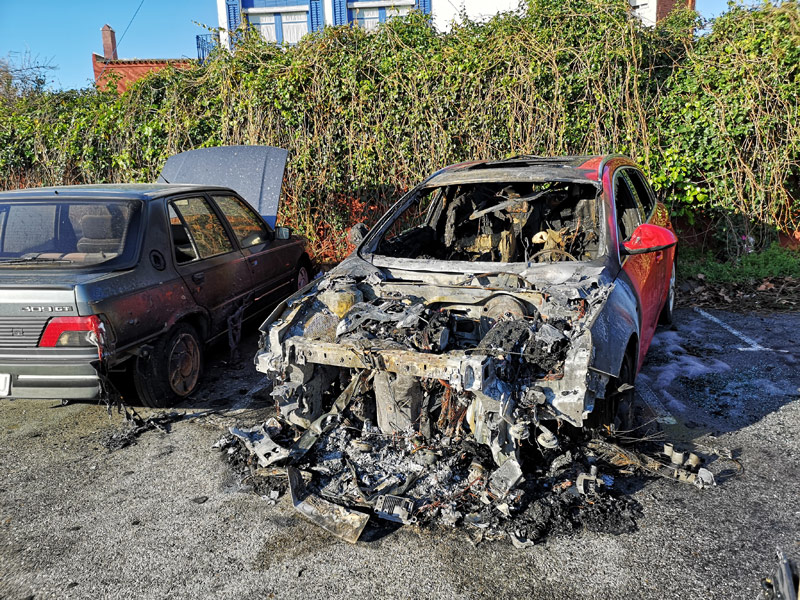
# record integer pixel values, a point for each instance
(142, 302)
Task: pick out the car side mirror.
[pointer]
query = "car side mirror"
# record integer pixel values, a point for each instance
(648, 238)
(357, 233)
(282, 233)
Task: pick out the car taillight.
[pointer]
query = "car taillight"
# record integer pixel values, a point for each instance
(71, 331)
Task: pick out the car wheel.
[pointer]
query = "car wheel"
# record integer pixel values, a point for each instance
(619, 392)
(303, 276)
(172, 369)
(667, 313)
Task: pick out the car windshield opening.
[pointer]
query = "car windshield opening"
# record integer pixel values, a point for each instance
(499, 223)
(68, 233)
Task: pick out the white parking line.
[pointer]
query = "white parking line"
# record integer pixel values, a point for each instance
(753, 345)
(660, 412)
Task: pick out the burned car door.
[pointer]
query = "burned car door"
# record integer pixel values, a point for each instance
(270, 261)
(213, 269)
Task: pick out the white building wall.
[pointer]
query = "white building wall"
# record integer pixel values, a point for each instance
(446, 11)
(223, 23)
(327, 12)
(645, 10)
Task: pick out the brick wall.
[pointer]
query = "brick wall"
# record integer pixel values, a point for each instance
(130, 70)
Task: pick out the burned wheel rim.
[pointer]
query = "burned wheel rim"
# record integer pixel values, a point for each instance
(302, 277)
(622, 400)
(184, 364)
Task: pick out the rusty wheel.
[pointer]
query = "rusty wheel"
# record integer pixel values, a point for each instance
(619, 392)
(184, 364)
(171, 370)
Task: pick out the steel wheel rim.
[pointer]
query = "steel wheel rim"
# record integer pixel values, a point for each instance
(184, 364)
(302, 278)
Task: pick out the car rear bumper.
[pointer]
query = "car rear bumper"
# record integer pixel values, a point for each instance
(59, 374)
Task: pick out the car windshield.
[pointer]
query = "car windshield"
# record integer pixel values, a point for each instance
(497, 222)
(66, 233)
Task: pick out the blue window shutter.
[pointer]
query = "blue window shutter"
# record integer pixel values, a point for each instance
(425, 6)
(340, 12)
(382, 14)
(234, 15)
(315, 13)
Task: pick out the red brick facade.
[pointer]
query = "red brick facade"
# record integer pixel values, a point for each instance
(109, 67)
(664, 7)
(130, 70)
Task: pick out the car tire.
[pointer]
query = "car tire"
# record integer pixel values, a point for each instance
(606, 409)
(667, 313)
(171, 370)
(302, 276)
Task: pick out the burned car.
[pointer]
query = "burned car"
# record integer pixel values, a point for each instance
(98, 280)
(496, 300)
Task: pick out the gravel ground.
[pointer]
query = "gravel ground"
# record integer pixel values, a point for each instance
(166, 518)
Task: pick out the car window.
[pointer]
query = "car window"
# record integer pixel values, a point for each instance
(70, 233)
(247, 226)
(197, 232)
(642, 190)
(629, 211)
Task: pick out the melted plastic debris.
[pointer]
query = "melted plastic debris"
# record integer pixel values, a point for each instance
(454, 482)
(135, 426)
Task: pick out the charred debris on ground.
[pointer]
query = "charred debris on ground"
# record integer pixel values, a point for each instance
(346, 471)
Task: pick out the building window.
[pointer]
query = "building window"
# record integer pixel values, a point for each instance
(287, 27)
(295, 26)
(368, 18)
(368, 14)
(397, 11)
(265, 24)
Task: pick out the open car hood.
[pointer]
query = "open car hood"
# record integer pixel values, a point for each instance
(254, 172)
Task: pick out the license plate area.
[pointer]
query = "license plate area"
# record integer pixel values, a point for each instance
(5, 384)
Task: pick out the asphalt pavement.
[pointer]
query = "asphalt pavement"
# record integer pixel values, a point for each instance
(167, 518)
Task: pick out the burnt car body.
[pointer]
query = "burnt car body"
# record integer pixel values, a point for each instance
(499, 300)
(101, 279)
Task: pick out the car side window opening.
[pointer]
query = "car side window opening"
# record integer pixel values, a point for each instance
(642, 190)
(248, 227)
(197, 232)
(498, 222)
(629, 211)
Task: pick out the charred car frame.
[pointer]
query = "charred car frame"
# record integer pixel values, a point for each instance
(498, 300)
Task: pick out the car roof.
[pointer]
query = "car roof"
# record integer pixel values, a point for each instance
(109, 191)
(525, 168)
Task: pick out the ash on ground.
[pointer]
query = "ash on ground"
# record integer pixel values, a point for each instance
(454, 482)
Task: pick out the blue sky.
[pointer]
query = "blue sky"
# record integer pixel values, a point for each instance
(66, 32)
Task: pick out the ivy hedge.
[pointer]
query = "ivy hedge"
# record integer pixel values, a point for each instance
(712, 116)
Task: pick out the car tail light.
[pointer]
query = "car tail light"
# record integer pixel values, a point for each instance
(72, 331)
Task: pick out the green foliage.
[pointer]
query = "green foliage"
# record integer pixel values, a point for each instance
(712, 119)
(775, 261)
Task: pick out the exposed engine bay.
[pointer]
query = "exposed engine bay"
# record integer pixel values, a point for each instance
(498, 222)
(451, 360)
(429, 403)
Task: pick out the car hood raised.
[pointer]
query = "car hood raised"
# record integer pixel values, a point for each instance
(254, 172)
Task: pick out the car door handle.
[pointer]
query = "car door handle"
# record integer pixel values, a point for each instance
(659, 256)
(199, 277)
(253, 260)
